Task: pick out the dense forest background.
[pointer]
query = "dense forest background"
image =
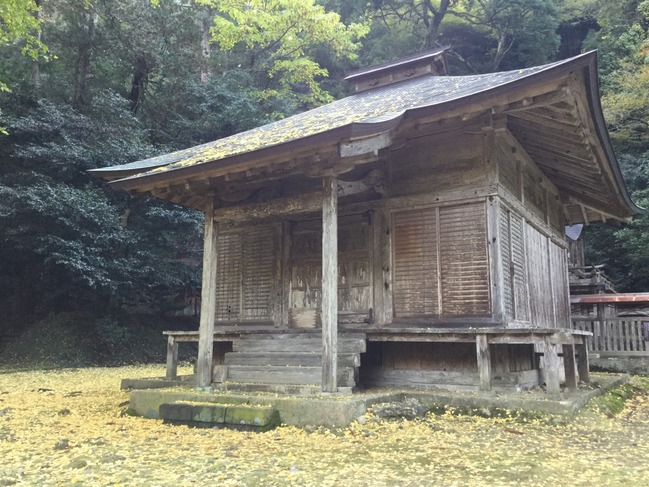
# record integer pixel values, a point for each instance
(92, 83)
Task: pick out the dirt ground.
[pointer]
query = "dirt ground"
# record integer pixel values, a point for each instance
(66, 427)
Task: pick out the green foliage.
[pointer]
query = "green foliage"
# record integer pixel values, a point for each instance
(523, 30)
(277, 40)
(220, 107)
(19, 24)
(84, 339)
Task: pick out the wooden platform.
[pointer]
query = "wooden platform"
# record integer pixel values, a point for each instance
(294, 357)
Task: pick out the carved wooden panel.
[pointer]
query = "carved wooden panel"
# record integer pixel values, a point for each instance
(354, 272)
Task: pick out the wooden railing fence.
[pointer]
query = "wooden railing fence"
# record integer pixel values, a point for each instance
(616, 336)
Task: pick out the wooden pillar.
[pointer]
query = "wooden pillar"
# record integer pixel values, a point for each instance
(329, 311)
(208, 304)
(484, 362)
(582, 361)
(172, 358)
(569, 366)
(552, 366)
(495, 260)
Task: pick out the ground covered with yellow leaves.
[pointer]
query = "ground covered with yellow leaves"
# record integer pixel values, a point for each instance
(67, 428)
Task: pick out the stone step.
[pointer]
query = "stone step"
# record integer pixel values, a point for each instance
(289, 345)
(261, 418)
(298, 359)
(285, 375)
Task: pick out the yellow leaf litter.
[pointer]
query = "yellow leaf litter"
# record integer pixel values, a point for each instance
(65, 427)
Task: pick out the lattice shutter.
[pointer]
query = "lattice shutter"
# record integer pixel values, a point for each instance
(506, 259)
(415, 290)
(245, 274)
(519, 274)
(464, 262)
(228, 277)
(258, 273)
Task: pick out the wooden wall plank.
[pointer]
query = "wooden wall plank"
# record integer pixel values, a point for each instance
(560, 285)
(538, 272)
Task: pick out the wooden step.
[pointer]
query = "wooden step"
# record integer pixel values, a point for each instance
(286, 375)
(299, 359)
(291, 389)
(314, 345)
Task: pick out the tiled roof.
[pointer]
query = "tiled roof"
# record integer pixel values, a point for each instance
(364, 108)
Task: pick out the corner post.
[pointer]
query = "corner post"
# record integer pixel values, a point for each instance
(172, 358)
(329, 310)
(552, 365)
(569, 366)
(208, 303)
(582, 361)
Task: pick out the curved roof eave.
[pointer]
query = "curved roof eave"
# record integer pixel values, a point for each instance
(592, 87)
(585, 61)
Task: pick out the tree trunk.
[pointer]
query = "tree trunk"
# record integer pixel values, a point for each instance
(505, 42)
(84, 57)
(141, 71)
(206, 49)
(36, 65)
(433, 18)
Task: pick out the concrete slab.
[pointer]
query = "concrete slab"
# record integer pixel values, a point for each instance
(340, 411)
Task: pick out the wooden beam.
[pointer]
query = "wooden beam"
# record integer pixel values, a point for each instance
(329, 307)
(484, 361)
(208, 304)
(542, 100)
(367, 145)
(303, 203)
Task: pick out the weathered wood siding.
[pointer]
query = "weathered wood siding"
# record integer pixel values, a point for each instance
(246, 276)
(533, 251)
(535, 270)
(450, 161)
(514, 261)
(440, 263)
(540, 279)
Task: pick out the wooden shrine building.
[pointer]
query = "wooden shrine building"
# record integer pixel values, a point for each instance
(411, 234)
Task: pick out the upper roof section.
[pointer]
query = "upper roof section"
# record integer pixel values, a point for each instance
(432, 62)
(553, 110)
